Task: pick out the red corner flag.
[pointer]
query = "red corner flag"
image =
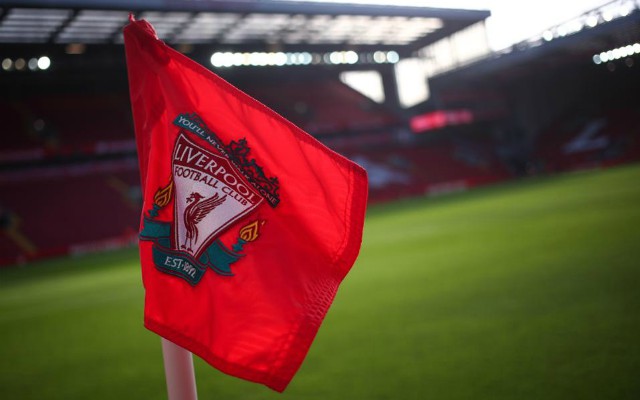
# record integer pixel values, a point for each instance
(248, 225)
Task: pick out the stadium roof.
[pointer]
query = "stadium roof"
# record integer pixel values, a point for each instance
(576, 49)
(240, 24)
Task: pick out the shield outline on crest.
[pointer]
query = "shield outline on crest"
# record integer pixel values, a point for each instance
(211, 237)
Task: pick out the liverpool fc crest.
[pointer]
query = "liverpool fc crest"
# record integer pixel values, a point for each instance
(210, 189)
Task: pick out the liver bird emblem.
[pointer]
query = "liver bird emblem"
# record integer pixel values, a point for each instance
(195, 212)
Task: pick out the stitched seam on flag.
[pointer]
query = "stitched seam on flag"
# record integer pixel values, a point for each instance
(299, 341)
(347, 214)
(283, 350)
(357, 208)
(275, 382)
(355, 198)
(287, 346)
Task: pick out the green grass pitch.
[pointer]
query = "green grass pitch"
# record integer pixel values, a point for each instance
(529, 290)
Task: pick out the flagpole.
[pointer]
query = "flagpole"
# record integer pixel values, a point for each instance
(178, 370)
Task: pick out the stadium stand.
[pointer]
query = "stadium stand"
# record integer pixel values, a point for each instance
(548, 105)
(53, 211)
(15, 121)
(324, 107)
(445, 165)
(80, 119)
(589, 142)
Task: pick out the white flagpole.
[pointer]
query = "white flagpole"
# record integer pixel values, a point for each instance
(178, 369)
